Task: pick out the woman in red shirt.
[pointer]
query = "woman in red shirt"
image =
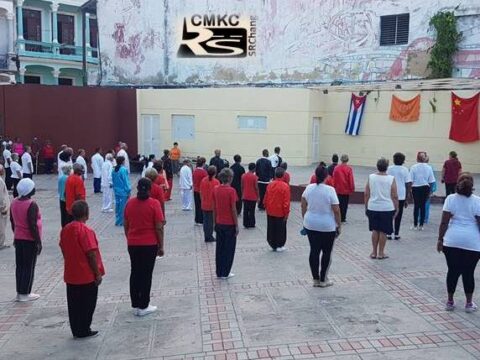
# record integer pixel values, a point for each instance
(249, 196)
(48, 154)
(143, 227)
(344, 185)
(206, 201)
(328, 181)
(198, 174)
(156, 192)
(225, 213)
(83, 270)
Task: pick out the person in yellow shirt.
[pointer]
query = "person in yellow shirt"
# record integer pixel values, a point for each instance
(175, 155)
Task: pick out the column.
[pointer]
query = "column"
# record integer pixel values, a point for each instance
(21, 45)
(54, 8)
(87, 34)
(10, 17)
(56, 75)
(21, 75)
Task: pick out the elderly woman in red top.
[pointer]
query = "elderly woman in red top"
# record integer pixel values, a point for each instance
(344, 185)
(198, 174)
(206, 199)
(143, 227)
(83, 270)
(27, 232)
(277, 205)
(74, 189)
(156, 192)
(225, 213)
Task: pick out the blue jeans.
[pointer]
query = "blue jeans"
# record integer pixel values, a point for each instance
(120, 202)
(97, 185)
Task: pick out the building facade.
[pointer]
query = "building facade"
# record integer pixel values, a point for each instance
(7, 50)
(48, 43)
(202, 42)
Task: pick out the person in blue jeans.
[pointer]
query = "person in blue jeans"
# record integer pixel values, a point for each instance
(121, 189)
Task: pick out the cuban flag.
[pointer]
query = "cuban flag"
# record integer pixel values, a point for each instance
(355, 115)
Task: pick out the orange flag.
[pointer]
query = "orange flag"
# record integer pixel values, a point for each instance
(405, 111)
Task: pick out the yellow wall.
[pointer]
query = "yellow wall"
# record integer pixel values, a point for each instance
(289, 115)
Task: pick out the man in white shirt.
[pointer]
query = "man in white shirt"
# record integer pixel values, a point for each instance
(59, 166)
(4, 207)
(123, 152)
(107, 184)
(97, 164)
(81, 160)
(275, 159)
(7, 156)
(27, 163)
(16, 173)
(186, 185)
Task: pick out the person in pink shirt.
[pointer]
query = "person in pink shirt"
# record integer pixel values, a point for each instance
(27, 231)
(18, 147)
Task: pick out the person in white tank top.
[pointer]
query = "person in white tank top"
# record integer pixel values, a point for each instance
(381, 205)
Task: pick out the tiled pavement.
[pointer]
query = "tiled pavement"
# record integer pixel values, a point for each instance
(391, 309)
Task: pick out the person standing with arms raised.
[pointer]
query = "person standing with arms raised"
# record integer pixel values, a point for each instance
(264, 171)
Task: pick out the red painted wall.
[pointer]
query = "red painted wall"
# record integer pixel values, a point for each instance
(80, 117)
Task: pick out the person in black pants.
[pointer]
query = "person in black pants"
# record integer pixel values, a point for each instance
(420, 196)
(264, 172)
(250, 196)
(83, 270)
(238, 171)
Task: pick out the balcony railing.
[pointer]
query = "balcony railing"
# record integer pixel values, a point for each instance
(56, 51)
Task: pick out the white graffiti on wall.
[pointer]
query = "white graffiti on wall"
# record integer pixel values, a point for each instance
(297, 41)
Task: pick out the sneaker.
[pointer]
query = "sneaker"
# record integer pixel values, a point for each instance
(198, 224)
(471, 307)
(148, 310)
(227, 277)
(326, 283)
(415, 228)
(281, 249)
(389, 237)
(420, 228)
(449, 306)
(397, 237)
(29, 297)
(316, 283)
(135, 311)
(90, 334)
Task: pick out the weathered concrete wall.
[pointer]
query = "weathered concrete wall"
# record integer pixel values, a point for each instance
(296, 41)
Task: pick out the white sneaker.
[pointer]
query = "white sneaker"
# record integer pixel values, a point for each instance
(420, 228)
(227, 277)
(415, 228)
(135, 311)
(150, 309)
(325, 283)
(471, 307)
(29, 297)
(281, 249)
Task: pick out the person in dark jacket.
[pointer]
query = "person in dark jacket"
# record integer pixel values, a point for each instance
(264, 172)
(217, 161)
(332, 166)
(238, 171)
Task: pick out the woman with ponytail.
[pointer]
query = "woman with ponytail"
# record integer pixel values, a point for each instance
(321, 219)
(121, 189)
(143, 227)
(459, 240)
(207, 185)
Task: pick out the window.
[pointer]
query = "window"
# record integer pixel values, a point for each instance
(183, 127)
(32, 79)
(394, 29)
(252, 122)
(94, 36)
(66, 33)
(32, 28)
(65, 81)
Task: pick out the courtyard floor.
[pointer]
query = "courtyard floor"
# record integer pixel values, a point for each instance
(390, 309)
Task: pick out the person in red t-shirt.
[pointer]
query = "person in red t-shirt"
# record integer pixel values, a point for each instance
(143, 225)
(328, 181)
(74, 190)
(344, 185)
(198, 174)
(249, 196)
(277, 205)
(156, 192)
(48, 155)
(83, 270)
(450, 172)
(206, 201)
(226, 228)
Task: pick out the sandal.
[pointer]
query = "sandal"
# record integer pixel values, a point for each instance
(383, 257)
(373, 256)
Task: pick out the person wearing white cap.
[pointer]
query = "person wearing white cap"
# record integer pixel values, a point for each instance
(4, 206)
(27, 232)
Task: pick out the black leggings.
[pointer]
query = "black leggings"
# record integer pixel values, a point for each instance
(343, 201)
(420, 197)
(398, 219)
(461, 262)
(320, 242)
(198, 208)
(25, 259)
(142, 260)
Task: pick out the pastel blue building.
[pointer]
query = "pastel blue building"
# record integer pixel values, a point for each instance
(49, 42)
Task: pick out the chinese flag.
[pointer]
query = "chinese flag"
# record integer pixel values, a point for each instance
(464, 126)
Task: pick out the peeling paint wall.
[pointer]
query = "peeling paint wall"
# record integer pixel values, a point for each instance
(297, 41)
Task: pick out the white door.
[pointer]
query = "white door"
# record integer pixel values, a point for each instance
(151, 135)
(316, 140)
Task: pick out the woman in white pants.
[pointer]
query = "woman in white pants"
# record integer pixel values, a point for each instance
(106, 184)
(186, 185)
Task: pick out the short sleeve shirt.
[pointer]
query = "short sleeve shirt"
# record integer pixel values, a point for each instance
(142, 217)
(421, 175)
(319, 215)
(15, 167)
(74, 190)
(206, 193)
(463, 231)
(402, 177)
(198, 175)
(76, 240)
(224, 197)
(7, 155)
(26, 163)
(157, 193)
(452, 168)
(249, 181)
